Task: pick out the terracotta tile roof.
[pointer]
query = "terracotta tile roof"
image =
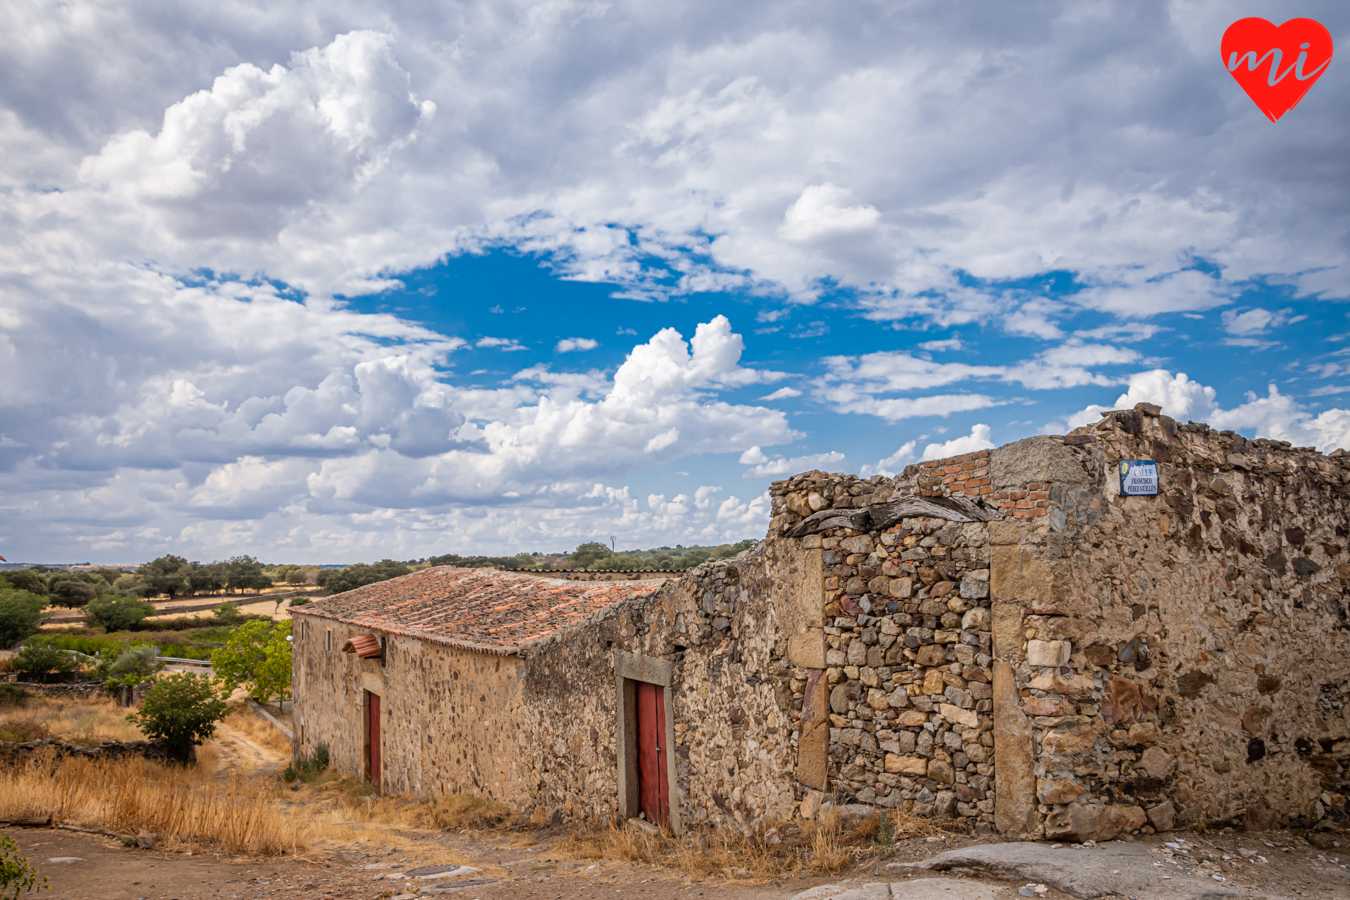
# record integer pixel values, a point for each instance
(487, 610)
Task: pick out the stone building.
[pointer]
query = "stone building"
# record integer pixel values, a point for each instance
(1003, 638)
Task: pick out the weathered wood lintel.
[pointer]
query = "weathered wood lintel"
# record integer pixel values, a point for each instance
(884, 515)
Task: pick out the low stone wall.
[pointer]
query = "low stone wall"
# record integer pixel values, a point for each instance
(82, 689)
(13, 753)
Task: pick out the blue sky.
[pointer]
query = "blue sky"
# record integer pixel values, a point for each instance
(333, 283)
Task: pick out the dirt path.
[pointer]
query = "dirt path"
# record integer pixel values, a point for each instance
(106, 869)
(239, 753)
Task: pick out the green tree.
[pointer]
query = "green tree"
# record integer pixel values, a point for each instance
(588, 554)
(166, 575)
(180, 711)
(256, 655)
(336, 581)
(37, 661)
(71, 592)
(117, 613)
(16, 872)
(133, 665)
(30, 580)
(228, 613)
(244, 573)
(297, 575)
(20, 613)
(205, 579)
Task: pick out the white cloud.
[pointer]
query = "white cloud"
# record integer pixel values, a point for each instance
(942, 345)
(325, 419)
(783, 393)
(508, 345)
(568, 345)
(853, 383)
(893, 464)
(761, 466)
(824, 211)
(978, 439)
(1276, 416)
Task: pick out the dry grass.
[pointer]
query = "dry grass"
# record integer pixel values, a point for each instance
(259, 730)
(132, 796)
(825, 846)
(84, 722)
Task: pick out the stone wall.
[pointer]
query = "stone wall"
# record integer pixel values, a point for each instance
(451, 719)
(1181, 658)
(1137, 663)
(540, 731)
(13, 752)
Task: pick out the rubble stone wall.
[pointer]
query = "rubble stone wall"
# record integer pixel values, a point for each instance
(539, 732)
(450, 718)
(718, 627)
(1184, 659)
(1136, 663)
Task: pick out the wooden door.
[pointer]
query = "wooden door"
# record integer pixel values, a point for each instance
(653, 783)
(373, 728)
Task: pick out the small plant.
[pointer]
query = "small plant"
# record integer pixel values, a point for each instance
(180, 711)
(307, 768)
(16, 872)
(228, 613)
(300, 601)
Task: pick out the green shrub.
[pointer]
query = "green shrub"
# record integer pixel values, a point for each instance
(20, 612)
(16, 872)
(13, 695)
(307, 768)
(116, 613)
(228, 613)
(180, 711)
(301, 601)
(133, 665)
(37, 660)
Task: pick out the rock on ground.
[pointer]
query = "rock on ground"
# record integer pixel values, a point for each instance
(1088, 872)
(919, 889)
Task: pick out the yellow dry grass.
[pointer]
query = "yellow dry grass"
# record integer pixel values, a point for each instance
(825, 846)
(181, 806)
(259, 730)
(75, 721)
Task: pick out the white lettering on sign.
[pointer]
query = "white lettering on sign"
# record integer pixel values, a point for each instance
(1138, 477)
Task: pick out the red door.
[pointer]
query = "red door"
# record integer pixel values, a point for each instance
(653, 785)
(373, 725)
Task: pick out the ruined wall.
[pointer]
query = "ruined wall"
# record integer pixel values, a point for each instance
(1181, 658)
(451, 719)
(903, 671)
(718, 627)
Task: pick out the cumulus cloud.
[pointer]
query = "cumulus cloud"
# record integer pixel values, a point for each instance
(1276, 416)
(761, 466)
(569, 345)
(495, 343)
(854, 383)
(978, 439)
(346, 419)
(783, 393)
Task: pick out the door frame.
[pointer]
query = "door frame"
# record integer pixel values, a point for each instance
(630, 668)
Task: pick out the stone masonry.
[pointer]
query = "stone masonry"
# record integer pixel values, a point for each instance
(1000, 638)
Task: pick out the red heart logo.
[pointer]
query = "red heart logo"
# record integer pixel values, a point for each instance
(1276, 66)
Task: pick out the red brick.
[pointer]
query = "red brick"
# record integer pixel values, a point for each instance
(986, 489)
(1017, 495)
(1025, 504)
(1038, 495)
(1037, 512)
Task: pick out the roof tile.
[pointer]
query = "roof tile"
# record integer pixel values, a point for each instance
(487, 610)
